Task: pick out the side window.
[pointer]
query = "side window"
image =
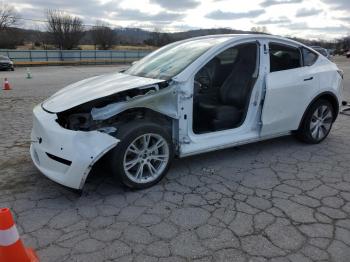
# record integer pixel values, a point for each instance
(309, 56)
(217, 70)
(284, 57)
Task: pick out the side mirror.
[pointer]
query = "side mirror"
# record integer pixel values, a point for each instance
(135, 62)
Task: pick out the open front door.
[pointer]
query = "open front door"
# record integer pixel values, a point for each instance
(289, 88)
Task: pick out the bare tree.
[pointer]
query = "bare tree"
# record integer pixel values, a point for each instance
(10, 36)
(157, 38)
(65, 30)
(103, 36)
(8, 16)
(40, 38)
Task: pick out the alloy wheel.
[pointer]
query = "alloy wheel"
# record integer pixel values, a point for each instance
(321, 122)
(146, 158)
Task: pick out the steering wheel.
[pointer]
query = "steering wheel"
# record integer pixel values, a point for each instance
(203, 78)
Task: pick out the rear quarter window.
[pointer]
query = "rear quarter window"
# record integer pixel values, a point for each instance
(309, 57)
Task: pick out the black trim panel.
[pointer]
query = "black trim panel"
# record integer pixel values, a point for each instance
(58, 159)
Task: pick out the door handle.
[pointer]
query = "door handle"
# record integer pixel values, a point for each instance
(308, 79)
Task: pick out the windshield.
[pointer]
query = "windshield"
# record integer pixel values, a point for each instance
(4, 58)
(172, 59)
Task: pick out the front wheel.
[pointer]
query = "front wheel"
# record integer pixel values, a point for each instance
(317, 122)
(143, 155)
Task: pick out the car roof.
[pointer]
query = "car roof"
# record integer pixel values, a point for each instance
(232, 39)
(237, 37)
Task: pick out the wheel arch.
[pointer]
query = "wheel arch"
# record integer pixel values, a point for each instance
(330, 97)
(168, 123)
(151, 115)
(139, 114)
(128, 134)
(146, 114)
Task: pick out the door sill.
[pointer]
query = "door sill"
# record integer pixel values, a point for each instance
(193, 149)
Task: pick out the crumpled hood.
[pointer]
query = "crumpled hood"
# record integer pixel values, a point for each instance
(94, 88)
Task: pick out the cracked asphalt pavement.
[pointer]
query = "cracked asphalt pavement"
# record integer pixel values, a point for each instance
(278, 200)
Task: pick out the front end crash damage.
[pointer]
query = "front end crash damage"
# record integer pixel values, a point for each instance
(108, 113)
(63, 155)
(67, 144)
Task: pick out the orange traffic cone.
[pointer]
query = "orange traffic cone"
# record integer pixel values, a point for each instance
(6, 85)
(11, 246)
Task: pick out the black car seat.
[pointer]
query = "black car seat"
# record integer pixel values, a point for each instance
(234, 93)
(286, 61)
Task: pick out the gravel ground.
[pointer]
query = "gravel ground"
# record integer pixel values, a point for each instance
(278, 200)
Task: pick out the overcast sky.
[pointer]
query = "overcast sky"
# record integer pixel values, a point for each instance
(306, 18)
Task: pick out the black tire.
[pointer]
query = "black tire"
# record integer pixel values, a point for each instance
(127, 135)
(304, 132)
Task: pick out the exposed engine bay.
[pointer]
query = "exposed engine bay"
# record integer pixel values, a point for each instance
(107, 113)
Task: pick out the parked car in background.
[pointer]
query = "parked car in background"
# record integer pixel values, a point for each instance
(6, 63)
(331, 52)
(186, 98)
(348, 54)
(322, 51)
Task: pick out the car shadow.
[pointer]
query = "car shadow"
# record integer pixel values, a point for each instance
(202, 163)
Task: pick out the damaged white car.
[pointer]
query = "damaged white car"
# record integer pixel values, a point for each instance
(189, 97)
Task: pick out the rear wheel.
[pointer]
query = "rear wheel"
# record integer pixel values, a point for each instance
(317, 122)
(143, 155)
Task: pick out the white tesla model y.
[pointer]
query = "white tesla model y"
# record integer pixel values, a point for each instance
(189, 97)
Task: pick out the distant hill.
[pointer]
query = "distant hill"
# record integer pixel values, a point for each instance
(132, 37)
(125, 35)
(137, 36)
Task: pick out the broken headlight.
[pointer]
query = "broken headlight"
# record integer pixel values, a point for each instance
(79, 121)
